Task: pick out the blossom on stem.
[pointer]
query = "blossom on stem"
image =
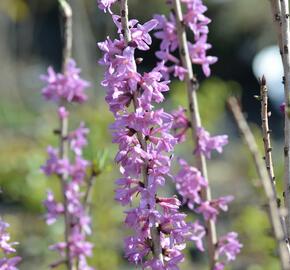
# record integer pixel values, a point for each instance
(197, 22)
(180, 124)
(189, 183)
(7, 248)
(69, 87)
(144, 155)
(206, 144)
(229, 246)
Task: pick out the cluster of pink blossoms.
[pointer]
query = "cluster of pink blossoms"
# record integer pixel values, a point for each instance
(144, 156)
(69, 87)
(197, 22)
(189, 181)
(7, 263)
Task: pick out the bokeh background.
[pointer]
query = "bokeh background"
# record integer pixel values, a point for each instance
(242, 35)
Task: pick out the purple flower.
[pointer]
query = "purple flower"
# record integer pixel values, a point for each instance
(106, 4)
(7, 248)
(229, 246)
(140, 34)
(219, 266)
(167, 32)
(78, 139)
(180, 124)
(189, 183)
(206, 144)
(210, 209)
(54, 209)
(9, 263)
(68, 86)
(63, 113)
(197, 22)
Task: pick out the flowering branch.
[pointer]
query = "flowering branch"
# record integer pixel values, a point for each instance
(192, 86)
(157, 250)
(66, 12)
(280, 9)
(265, 179)
(67, 162)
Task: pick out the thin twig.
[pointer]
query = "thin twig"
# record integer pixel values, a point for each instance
(265, 179)
(155, 235)
(266, 130)
(88, 194)
(63, 142)
(280, 9)
(67, 31)
(192, 86)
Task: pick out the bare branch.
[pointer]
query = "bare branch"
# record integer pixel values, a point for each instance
(265, 179)
(280, 9)
(266, 130)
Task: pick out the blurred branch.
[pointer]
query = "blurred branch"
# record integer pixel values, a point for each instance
(192, 86)
(280, 9)
(63, 144)
(265, 179)
(67, 31)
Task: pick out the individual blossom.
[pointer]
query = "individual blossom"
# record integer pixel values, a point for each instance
(106, 4)
(7, 248)
(180, 124)
(206, 144)
(211, 209)
(54, 209)
(229, 246)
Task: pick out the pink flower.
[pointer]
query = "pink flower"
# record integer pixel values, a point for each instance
(189, 183)
(106, 4)
(78, 139)
(180, 124)
(210, 209)
(206, 144)
(54, 209)
(68, 86)
(229, 246)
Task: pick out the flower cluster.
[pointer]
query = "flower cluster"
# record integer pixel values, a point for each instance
(197, 22)
(6, 247)
(144, 156)
(189, 183)
(69, 87)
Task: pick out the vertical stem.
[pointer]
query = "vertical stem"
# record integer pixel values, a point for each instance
(266, 131)
(155, 235)
(286, 65)
(281, 16)
(265, 179)
(63, 143)
(192, 86)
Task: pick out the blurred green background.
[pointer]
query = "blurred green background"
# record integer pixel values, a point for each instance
(31, 41)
